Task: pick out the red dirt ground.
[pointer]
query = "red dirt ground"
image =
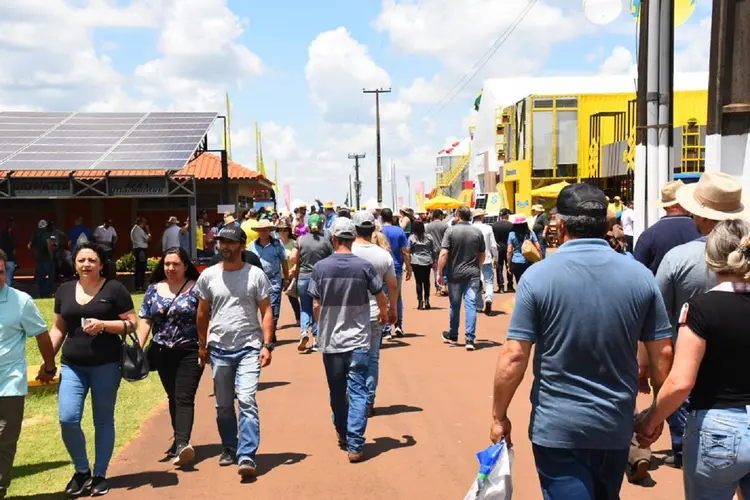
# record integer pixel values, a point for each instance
(434, 409)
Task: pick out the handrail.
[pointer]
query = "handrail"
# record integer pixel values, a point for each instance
(447, 178)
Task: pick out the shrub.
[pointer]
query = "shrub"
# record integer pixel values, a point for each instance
(126, 263)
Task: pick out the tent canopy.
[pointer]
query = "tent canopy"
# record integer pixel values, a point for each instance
(550, 191)
(442, 202)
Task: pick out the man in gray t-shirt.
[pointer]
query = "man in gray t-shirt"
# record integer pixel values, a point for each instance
(313, 247)
(231, 295)
(463, 252)
(382, 261)
(340, 285)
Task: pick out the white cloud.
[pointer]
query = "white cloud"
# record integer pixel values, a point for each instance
(693, 46)
(619, 62)
(338, 68)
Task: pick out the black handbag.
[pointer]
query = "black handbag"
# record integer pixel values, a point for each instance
(133, 360)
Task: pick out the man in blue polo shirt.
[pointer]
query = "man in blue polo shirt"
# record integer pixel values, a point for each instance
(586, 308)
(19, 319)
(402, 262)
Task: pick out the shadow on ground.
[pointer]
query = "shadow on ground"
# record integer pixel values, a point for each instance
(155, 479)
(486, 344)
(270, 385)
(386, 444)
(396, 410)
(31, 469)
(266, 462)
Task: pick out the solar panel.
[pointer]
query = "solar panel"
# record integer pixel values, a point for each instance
(100, 141)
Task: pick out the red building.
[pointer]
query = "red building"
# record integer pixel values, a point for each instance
(122, 196)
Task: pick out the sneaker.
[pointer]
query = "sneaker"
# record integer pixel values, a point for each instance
(470, 345)
(674, 461)
(427, 305)
(398, 332)
(79, 483)
(99, 486)
(246, 468)
(184, 456)
(355, 457)
(448, 340)
(172, 451)
(638, 471)
(228, 457)
(302, 344)
(487, 308)
(420, 306)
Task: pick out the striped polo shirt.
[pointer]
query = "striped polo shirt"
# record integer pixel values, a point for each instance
(341, 284)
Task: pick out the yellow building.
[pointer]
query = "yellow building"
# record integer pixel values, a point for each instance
(546, 139)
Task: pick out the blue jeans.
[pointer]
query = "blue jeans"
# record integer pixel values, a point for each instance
(347, 372)
(399, 306)
(45, 277)
(488, 280)
(75, 383)
(307, 320)
(275, 294)
(676, 422)
(10, 268)
(578, 474)
(373, 371)
(237, 372)
(542, 245)
(717, 454)
(468, 292)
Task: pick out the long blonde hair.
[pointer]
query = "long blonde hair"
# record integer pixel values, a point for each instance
(728, 248)
(379, 238)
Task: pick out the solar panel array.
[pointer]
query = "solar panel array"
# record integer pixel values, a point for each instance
(100, 141)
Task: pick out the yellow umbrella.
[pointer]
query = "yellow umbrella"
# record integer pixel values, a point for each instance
(442, 202)
(550, 191)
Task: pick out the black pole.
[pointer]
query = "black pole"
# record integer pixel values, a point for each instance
(224, 178)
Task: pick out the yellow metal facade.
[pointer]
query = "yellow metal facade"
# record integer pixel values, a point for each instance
(614, 120)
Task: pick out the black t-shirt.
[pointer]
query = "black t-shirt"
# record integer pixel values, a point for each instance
(248, 257)
(502, 230)
(539, 224)
(91, 350)
(722, 319)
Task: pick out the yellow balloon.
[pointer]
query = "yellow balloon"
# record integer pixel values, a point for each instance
(683, 9)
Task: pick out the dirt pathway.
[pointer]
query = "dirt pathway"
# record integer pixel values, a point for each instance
(434, 408)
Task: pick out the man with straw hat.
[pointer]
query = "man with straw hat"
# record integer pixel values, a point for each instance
(683, 272)
(673, 229)
(272, 255)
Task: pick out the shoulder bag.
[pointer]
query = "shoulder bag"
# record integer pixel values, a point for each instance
(153, 350)
(529, 251)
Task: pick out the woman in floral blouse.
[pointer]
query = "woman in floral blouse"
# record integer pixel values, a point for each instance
(169, 312)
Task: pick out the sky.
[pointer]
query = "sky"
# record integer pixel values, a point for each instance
(298, 69)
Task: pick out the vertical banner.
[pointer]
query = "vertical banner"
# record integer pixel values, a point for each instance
(419, 196)
(288, 197)
(400, 201)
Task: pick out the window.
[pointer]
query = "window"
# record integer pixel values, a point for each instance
(566, 102)
(542, 140)
(543, 103)
(567, 137)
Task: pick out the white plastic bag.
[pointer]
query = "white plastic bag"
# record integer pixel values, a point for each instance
(494, 479)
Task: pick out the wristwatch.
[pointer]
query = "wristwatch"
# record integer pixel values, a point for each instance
(53, 371)
(269, 345)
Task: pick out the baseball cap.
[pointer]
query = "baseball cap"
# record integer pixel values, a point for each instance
(315, 220)
(344, 229)
(364, 219)
(232, 233)
(582, 199)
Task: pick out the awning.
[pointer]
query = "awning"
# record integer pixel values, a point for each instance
(550, 191)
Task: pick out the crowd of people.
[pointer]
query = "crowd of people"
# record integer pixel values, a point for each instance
(605, 324)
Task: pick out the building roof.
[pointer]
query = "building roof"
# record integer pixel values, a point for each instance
(455, 147)
(206, 167)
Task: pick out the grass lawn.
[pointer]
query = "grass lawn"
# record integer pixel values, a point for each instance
(42, 466)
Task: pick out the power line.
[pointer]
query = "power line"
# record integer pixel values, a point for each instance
(483, 60)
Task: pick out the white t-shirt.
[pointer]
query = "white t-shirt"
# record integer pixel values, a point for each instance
(628, 222)
(104, 236)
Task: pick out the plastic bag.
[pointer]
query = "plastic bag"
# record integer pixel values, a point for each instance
(494, 479)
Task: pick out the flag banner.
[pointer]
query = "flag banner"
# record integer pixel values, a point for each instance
(419, 196)
(288, 197)
(400, 201)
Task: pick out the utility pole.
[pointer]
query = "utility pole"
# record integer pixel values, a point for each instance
(357, 183)
(728, 130)
(377, 93)
(349, 198)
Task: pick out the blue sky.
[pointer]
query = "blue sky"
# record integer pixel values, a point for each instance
(298, 68)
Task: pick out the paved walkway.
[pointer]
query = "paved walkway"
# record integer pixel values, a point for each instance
(434, 408)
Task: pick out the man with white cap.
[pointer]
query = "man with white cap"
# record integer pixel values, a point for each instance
(683, 272)
(382, 261)
(673, 229)
(488, 267)
(340, 288)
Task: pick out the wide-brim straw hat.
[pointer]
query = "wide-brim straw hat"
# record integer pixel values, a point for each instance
(264, 224)
(716, 196)
(669, 194)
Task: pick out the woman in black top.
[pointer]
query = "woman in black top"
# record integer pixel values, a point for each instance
(710, 365)
(91, 313)
(169, 310)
